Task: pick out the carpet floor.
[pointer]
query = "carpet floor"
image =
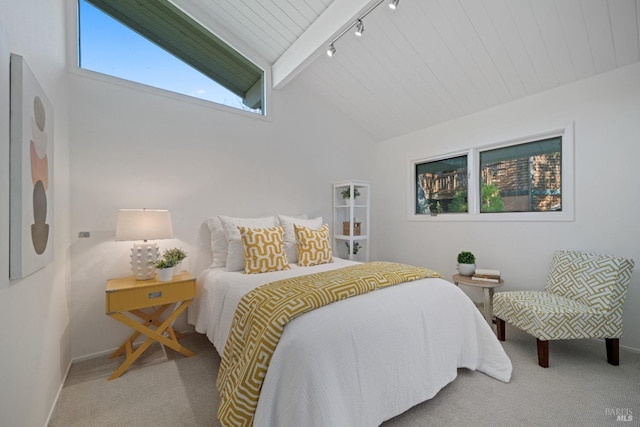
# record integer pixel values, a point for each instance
(164, 388)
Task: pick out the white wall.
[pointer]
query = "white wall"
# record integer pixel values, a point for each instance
(134, 148)
(606, 112)
(34, 314)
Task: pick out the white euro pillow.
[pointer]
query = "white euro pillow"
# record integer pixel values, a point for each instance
(235, 253)
(290, 244)
(219, 242)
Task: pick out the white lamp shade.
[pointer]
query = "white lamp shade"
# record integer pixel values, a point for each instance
(143, 224)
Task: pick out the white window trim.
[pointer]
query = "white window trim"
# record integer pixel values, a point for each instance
(568, 189)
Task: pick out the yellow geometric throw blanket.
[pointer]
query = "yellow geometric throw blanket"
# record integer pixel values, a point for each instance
(262, 314)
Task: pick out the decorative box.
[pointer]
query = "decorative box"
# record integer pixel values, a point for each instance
(356, 228)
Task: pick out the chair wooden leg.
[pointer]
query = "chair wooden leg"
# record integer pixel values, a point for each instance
(613, 351)
(543, 353)
(500, 329)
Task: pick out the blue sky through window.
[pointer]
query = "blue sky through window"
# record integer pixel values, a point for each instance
(109, 47)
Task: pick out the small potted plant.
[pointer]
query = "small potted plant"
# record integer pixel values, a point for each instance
(176, 254)
(356, 247)
(466, 263)
(164, 266)
(346, 194)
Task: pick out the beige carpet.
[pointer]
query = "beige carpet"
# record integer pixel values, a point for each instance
(166, 389)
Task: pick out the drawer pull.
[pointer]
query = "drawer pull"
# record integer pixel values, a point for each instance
(153, 295)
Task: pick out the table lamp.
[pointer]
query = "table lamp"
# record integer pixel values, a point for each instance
(144, 224)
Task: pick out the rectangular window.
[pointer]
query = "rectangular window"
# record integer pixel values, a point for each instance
(522, 178)
(441, 186)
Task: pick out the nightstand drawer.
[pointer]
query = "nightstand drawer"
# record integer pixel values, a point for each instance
(148, 295)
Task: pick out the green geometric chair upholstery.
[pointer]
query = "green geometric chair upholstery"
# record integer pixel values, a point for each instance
(583, 298)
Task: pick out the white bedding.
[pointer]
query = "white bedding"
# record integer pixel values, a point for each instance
(360, 361)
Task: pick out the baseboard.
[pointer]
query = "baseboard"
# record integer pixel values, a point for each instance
(632, 349)
(625, 347)
(55, 401)
(110, 351)
(102, 353)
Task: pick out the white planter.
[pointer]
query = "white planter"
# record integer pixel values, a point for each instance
(164, 274)
(177, 269)
(466, 269)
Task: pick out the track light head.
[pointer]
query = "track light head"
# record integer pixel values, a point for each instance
(359, 28)
(359, 25)
(331, 50)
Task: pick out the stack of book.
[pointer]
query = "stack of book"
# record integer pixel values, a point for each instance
(486, 275)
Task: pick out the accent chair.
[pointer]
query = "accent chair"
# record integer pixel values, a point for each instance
(583, 298)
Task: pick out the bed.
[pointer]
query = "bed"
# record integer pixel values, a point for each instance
(359, 361)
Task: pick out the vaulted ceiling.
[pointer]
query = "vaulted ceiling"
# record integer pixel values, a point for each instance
(428, 61)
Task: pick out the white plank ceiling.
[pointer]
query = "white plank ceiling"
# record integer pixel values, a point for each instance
(428, 61)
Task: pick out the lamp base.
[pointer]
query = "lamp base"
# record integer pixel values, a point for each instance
(143, 257)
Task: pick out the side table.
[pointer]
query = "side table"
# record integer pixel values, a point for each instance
(487, 292)
(128, 295)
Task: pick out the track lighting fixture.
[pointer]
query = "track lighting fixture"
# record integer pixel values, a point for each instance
(331, 50)
(359, 28)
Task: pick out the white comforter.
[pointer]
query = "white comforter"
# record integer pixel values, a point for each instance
(360, 361)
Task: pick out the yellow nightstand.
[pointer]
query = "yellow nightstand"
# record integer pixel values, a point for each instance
(128, 295)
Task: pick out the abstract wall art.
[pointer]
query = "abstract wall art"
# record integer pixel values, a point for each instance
(31, 173)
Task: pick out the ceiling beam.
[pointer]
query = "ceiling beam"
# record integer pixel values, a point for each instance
(314, 40)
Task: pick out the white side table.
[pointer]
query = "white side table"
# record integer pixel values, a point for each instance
(487, 292)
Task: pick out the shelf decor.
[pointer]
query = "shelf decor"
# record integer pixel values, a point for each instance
(356, 228)
(346, 193)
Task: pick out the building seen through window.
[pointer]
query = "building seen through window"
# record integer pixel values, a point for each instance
(442, 186)
(522, 178)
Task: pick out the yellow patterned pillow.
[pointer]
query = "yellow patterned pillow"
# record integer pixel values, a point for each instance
(263, 249)
(314, 246)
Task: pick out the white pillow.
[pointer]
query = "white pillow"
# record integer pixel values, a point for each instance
(290, 244)
(235, 252)
(218, 242)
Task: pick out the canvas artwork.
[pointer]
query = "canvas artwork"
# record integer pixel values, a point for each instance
(4, 159)
(31, 189)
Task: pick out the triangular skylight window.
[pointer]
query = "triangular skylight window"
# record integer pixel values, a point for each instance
(156, 44)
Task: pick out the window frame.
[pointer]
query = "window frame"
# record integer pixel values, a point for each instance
(73, 52)
(473, 169)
